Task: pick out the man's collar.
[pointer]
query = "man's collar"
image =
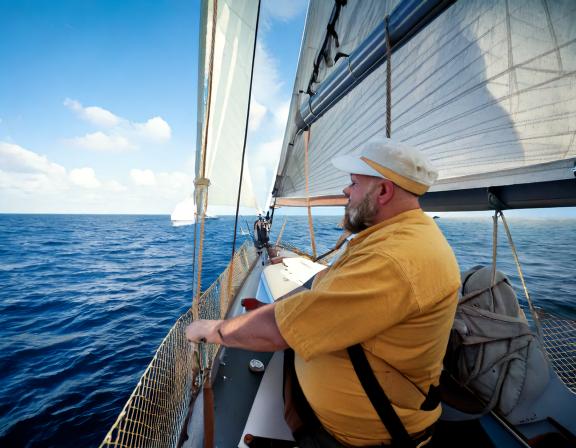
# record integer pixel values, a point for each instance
(361, 236)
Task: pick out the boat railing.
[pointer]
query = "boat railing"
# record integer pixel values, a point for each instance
(559, 339)
(326, 259)
(156, 411)
(293, 248)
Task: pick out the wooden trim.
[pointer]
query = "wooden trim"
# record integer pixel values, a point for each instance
(320, 201)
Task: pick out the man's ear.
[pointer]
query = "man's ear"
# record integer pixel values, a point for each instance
(385, 191)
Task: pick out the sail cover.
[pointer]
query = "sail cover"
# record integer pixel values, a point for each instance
(223, 97)
(487, 90)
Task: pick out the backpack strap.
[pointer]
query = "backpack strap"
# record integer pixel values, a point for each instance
(413, 393)
(466, 275)
(378, 398)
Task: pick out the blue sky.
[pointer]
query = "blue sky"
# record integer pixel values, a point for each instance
(98, 102)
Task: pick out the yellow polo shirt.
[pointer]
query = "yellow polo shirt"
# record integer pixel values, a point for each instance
(394, 290)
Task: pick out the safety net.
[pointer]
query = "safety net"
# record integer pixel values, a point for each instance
(559, 335)
(155, 413)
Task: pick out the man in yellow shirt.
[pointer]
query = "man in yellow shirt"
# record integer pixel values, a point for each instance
(394, 291)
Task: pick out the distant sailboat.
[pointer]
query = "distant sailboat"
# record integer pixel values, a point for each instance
(184, 213)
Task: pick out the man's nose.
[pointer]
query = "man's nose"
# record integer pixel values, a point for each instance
(346, 191)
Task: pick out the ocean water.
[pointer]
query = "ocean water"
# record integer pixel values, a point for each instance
(85, 301)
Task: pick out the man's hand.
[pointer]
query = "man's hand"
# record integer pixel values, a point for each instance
(204, 331)
(256, 331)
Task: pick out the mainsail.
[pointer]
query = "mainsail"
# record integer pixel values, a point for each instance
(487, 90)
(225, 66)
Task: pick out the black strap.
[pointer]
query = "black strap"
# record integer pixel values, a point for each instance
(378, 398)
(298, 399)
(432, 399)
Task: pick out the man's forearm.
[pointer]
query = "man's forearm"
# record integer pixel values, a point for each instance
(256, 330)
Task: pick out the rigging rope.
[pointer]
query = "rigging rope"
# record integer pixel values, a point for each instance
(279, 239)
(343, 238)
(388, 81)
(521, 275)
(533, 311)
(201, 189)
(494, 246)
(272, 214)
(310, 223)
(231, 275)
(322, 54)
(201, 182)
(194, 257)
(201, 186)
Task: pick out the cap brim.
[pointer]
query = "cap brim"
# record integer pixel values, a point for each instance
(354, 165)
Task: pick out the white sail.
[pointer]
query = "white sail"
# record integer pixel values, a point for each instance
(487, 91)
(229, 98)
(184, 213)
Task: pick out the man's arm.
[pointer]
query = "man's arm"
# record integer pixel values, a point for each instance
(256, 330)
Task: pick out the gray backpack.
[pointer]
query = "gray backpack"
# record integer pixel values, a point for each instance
(492, 349)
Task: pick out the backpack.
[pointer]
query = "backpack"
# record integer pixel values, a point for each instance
(492, 349)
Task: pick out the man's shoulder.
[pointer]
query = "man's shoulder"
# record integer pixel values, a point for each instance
(393, 240)
(418, 249)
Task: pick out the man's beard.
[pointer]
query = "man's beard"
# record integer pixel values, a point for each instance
(362, 216)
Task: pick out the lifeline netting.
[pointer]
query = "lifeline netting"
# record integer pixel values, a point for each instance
(155, 413)
(559, 336)
(326, 259)
(293, 248)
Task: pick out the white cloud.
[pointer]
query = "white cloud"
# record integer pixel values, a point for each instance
(31, 183)
(268, 129)
(266, 81)
(24, 170)
(143, 177)
(282, 10)
(271, 97)
(100, 141)
(93, 114)
(156, 129)
(101, 117)
(176, 181)
(114, 186)
(257, 113)
(28, 172)
(281, 114)
(14, 158)
(270, 100)
(263, 161)
(84, 177)
(190, 164)
(121, 134)
(267, 153)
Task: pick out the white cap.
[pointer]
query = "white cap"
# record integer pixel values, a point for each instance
(403, 164)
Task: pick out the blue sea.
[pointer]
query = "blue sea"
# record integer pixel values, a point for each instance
(85, 301)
